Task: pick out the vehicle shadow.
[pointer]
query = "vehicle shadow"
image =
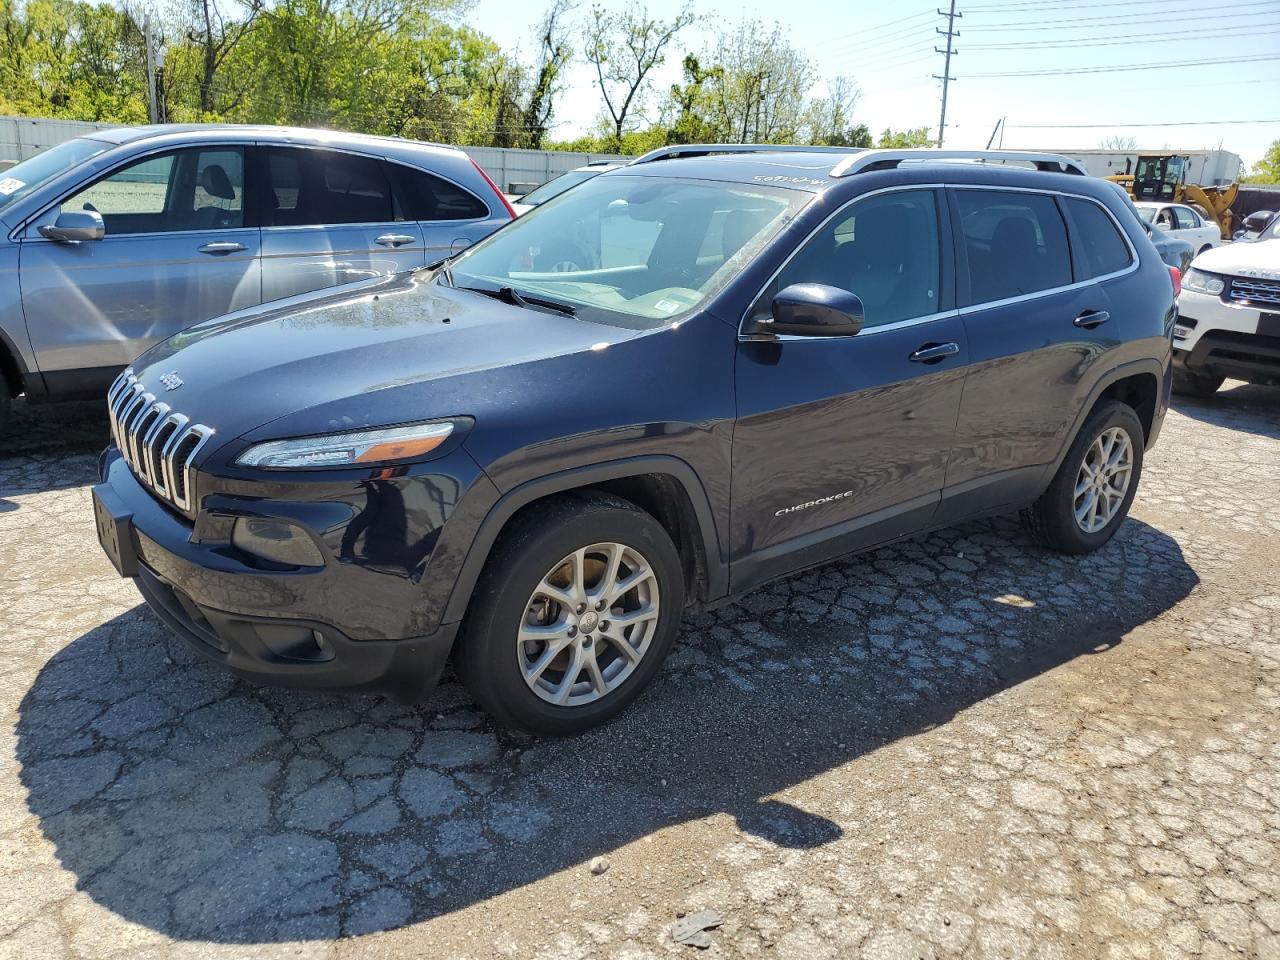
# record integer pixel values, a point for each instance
(1244, 407)
(38, 445)
(209, 809)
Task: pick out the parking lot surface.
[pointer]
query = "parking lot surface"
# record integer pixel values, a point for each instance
(960, 745)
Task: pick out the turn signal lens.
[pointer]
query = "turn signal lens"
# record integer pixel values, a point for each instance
(348, 449)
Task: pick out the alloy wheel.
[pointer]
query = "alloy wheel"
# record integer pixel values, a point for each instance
(588, 624)
(1103, 479)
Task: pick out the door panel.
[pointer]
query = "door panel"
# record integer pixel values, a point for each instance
(301, 259)
(101, 303)
(842, 442)
(1036, 331)
(853, 419)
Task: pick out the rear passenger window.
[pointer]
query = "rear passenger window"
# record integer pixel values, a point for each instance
(1015, 244)
(322, 187)
(424, 196)
(1187, 219)
(885, 249)
(1098, 240)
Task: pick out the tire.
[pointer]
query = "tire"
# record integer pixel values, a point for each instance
(538, 553)
(5, 405)
(1202, 385)
(1052, 519)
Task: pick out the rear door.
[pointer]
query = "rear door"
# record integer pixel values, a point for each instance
(180, 247)
(1038, 332)
(330, 218)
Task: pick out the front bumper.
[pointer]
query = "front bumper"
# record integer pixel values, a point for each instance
(1232, 340)
(316, 629)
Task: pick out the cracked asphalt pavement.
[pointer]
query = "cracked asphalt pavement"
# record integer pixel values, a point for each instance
(959, 745)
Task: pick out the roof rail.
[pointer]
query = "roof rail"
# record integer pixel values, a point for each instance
(707, 149)
(868, 160)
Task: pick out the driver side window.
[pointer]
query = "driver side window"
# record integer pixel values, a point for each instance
(197, 189)
(885, 249)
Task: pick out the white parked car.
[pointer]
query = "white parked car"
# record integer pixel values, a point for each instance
(1181, 221)
(557, 186)
(1229, 318)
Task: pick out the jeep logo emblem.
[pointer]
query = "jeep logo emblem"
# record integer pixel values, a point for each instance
(171, 380)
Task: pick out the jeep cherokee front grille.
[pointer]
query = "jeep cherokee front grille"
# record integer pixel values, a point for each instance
(1250, 290)
(157, 443)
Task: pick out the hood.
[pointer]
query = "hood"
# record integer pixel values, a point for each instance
(390, 351)
(1255, 259)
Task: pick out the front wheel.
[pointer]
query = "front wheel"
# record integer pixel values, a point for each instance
(1090, 494)
(1202, 385)
(573, 615)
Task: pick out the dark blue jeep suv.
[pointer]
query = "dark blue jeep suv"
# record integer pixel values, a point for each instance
(707, 369)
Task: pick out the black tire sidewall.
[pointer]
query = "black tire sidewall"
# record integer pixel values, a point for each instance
(487, 660)
(1063, 530)
(1202, 385)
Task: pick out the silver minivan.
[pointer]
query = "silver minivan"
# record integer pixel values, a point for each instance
(113, 242)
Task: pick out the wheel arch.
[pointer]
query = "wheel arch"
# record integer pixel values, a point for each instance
(665, 487)
(13, 373)
(1142, 384)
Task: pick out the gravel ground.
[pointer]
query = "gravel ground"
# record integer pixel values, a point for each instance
(957, 746)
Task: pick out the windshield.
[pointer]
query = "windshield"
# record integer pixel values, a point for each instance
(629, 250)
(18, 181)
(1273, 230)
(1147, 213)
(553, 188)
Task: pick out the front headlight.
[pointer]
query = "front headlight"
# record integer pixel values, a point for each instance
(1202, 282)
(347, 449)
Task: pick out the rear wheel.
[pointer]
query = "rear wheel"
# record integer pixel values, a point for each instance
(1090, 494)
(5, 404)
(573, 615)
(1202, 385)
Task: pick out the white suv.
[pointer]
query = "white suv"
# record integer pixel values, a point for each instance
(1229, 318)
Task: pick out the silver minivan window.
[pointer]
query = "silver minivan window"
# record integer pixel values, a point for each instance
(29, 175)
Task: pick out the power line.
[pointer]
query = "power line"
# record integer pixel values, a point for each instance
(1098, 126)
(1131, 67)
(1222, 33)
(1126, 19)
(873, 32)
(1036, 5)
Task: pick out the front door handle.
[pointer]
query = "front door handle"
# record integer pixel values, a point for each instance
(220, 248)
(1092, 318)
(394, 239)
(934, 352)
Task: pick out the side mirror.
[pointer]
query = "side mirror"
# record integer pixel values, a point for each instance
(813, 310)
(73, 226)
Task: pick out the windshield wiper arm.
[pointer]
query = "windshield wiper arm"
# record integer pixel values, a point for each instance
(514, 297)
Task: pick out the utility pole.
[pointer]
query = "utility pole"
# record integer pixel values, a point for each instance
(950, 33)
(153, 108)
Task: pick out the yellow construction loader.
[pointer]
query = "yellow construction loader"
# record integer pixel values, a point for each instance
(1163, 177)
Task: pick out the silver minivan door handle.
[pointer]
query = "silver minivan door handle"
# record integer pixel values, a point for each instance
(394, 239)
(220, 248)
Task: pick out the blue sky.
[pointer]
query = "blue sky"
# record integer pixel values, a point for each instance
(887, 49)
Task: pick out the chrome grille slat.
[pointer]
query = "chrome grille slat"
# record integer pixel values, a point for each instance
(159, 444)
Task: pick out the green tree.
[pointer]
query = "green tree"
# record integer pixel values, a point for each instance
(1266, 170)
(624, 48)
(916, 137)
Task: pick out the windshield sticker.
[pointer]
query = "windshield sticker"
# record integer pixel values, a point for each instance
(11, 185)
(666, 306)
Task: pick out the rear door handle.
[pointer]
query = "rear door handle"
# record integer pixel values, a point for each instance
(220, 248)
(934, 352)
(394, 239)
(1092, 318)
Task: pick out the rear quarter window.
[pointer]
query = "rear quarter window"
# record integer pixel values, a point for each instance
(424, 196)
(1014, 243)
(1102, 250)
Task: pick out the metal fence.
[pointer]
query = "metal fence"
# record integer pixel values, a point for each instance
(515, 171)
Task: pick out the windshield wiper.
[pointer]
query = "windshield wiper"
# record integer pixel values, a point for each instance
(514, 297)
